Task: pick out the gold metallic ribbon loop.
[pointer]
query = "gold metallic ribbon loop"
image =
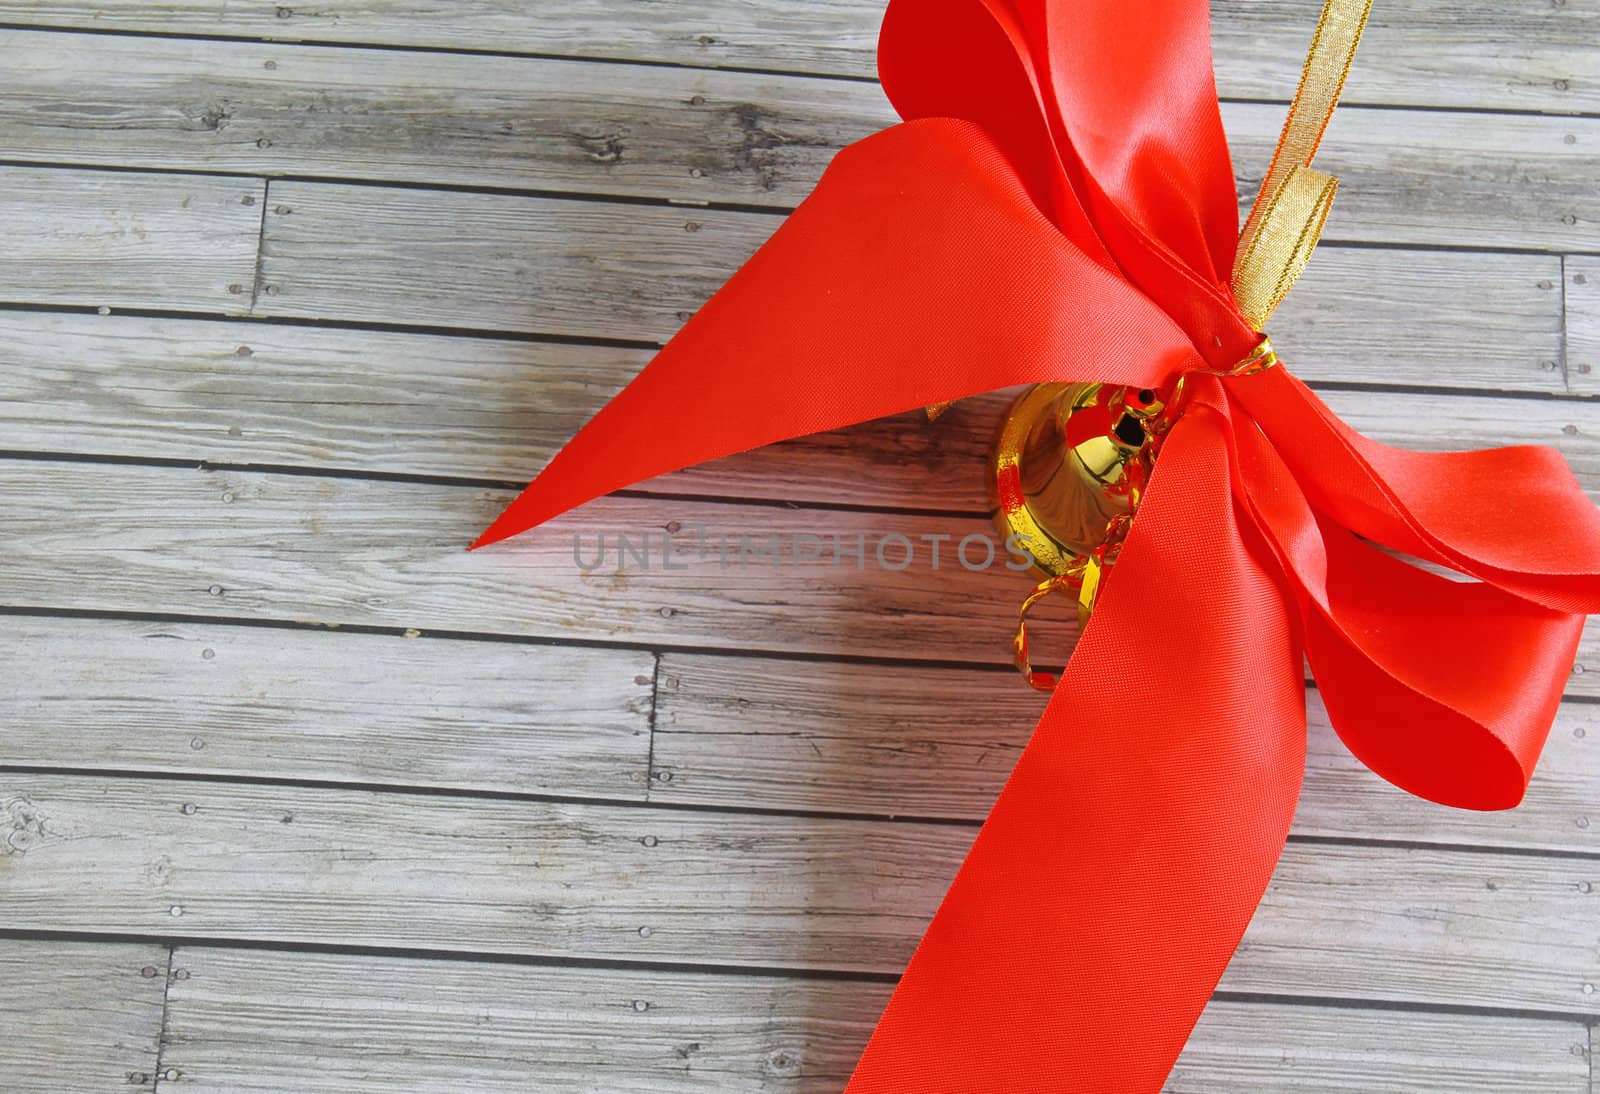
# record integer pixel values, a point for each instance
(1273, 257)
(1292, 207)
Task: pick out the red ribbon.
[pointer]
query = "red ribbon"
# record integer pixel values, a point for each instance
(1059, 205)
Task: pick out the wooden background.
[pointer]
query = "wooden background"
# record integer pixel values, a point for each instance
(295, 795)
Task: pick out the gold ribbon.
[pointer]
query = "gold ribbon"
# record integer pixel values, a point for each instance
(1292, 207)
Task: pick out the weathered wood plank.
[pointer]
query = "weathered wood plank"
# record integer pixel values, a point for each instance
(555, 266)
(249, 545)
(264, 1021)
(278, 395)
(1355, 309)
(123, 239)
(630, 883)
(75, 1018)
(315, 705)
(1450, 179)
(519, 123)
(209, 699)
(1423, 52)
(1582, 298)
(849, 738)
(496, 261)
(536, 123)
(1281, 1049)
(288, 547)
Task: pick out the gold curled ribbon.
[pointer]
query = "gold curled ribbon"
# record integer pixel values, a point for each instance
(1070, 581)
(1289, 213)
(1261, 358)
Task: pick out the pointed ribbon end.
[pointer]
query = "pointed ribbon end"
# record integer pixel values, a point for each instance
(515, 518)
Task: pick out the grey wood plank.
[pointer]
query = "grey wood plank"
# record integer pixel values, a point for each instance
(1451, 179)
(1251, 1048)
(733, 731)
(518, 123)
(317, 1024)
(494, 261)
(628, 883)
(186, 698)
(1423, 52)
(319, 705)
(555, 266)
(535, 123)
(249, 545)
(124, 239)
(491, 409)
(1359, 314)
(245, 1020)
(75, 1017)
(260, 546)
(277, 394)
(1582, 299)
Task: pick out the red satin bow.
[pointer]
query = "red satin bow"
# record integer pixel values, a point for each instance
(1059, 205)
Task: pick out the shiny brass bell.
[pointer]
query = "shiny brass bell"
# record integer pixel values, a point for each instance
(1069, 467)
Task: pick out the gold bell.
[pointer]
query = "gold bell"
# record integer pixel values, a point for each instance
(1069, 467)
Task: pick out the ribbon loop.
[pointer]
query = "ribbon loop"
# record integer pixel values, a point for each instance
(1445, 688)
(1275, 255)
(1292, 206)
(1513, 517)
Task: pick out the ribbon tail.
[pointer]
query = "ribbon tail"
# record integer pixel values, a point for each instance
(918, 272)
(1120, 866)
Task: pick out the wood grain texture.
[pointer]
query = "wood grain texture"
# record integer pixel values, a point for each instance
(940, 743)
(628, 883)
(122, 239)
(294, 548)
(1281, 1049)
(1451, 179)
(269, 1022)
(1582, 299)
(320, 1024)
(242, 392)
(182, 698)
(516, 123)
(493, 410)
(318, 705)
(75, 1018)
(536, 123)
(1421, 52)
(494, 261)
(567, 267)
